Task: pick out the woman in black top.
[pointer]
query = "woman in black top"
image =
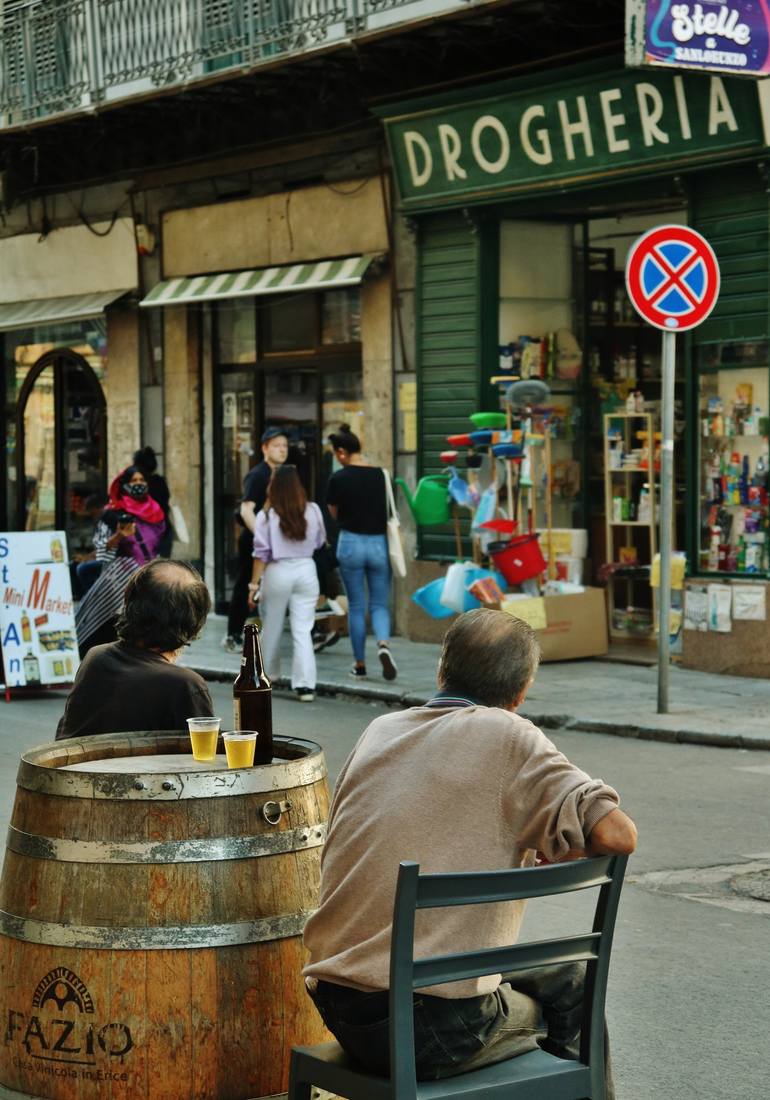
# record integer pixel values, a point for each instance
(356, 499)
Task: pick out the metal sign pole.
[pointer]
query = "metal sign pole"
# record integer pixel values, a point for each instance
(668, 366)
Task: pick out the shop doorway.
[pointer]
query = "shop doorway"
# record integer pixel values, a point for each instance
(309, 402)
(62, 447)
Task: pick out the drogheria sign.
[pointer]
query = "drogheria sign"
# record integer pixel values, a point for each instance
(582, 131)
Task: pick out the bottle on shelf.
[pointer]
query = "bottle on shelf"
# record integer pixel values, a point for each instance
(253, 696)
(713, 562)
(741, 554)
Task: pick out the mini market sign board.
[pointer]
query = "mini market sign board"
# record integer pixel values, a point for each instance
(728, 36)
(580, 132)
(37, 618)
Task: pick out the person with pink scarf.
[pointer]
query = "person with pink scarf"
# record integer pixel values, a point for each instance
(129, 493)
(138, 523)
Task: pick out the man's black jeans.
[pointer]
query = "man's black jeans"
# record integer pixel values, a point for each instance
(531, 1008)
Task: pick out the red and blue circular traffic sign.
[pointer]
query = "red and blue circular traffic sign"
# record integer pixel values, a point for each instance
(672, 278)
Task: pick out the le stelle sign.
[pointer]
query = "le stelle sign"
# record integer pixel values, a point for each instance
(585, 130)
(37, 618)
(729, 36)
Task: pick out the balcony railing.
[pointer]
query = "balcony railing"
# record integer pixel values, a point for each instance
(62, 56)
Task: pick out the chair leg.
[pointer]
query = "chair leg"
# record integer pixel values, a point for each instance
(298, 1090)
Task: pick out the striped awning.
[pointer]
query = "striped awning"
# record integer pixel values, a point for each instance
(48, 311)
(321, 275)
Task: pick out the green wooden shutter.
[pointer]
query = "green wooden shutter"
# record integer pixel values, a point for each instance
(730, 209)
(450, 343)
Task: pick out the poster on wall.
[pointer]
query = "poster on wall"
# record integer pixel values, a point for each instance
(729, 36)
(37, 616)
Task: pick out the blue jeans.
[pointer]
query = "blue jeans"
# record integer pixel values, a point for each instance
(363, 561)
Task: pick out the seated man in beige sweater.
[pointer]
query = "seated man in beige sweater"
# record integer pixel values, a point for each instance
(460, 784)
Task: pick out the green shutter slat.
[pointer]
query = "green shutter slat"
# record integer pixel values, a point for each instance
(730, 208)
(448, 348)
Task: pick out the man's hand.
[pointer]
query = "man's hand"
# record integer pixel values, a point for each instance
(614, 834)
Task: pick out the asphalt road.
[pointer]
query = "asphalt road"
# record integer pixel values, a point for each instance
(688, 1004)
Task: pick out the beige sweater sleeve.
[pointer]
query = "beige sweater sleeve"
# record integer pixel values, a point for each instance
(551, 805)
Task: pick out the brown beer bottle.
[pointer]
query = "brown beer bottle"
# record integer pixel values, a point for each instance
(253, 696)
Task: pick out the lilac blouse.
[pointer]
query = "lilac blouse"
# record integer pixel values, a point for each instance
(270, 543)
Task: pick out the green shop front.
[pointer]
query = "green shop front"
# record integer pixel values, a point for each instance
(525, 198)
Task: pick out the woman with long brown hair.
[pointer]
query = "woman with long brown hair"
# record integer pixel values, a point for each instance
(287, 532)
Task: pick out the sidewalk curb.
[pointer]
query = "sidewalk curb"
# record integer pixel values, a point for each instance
(549, 721)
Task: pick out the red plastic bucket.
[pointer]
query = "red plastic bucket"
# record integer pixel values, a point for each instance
(520, 559)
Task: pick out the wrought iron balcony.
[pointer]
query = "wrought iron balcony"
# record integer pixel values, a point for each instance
(63, 56)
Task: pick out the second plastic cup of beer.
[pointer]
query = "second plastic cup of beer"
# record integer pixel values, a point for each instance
(203, 737)
(239, 747)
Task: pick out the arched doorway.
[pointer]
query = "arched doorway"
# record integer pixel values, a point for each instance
(62, 447)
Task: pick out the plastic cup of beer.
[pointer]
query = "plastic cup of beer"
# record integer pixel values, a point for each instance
(203, 737)
(239, 747)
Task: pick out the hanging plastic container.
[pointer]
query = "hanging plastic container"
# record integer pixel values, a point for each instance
(486, 507)
(482, 438)
(429, 504)
(507, 450)
(453, 595)
(520, 559)
(460, 491)
(429, 599)
(501, 525)
(488, 419)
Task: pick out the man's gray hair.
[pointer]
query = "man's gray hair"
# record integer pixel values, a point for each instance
(489, 656)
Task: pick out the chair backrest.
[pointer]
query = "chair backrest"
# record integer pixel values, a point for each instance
(415, 891)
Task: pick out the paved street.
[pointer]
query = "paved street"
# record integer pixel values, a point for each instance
(688, 999)
(591, 695)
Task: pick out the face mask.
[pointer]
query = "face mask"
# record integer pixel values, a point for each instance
(137, 490)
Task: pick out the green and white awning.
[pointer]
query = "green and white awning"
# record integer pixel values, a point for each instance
(321, 275)
(48, 311)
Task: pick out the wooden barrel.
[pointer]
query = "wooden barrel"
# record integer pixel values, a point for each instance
(151, 912)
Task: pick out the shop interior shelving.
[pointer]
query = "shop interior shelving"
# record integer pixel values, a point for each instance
(630, 599)
(733, 459)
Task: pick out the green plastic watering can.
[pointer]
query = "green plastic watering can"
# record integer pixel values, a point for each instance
(430, 503)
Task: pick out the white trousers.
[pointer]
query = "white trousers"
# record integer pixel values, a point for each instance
(292, 584)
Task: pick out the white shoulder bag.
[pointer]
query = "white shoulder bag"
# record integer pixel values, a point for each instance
(393, 532)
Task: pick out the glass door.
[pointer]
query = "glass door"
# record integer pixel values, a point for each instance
(38, 507)
(237, 451)
(83, 449)
(63, 447)
(291, 400)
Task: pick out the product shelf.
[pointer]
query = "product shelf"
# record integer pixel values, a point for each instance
(621, 428)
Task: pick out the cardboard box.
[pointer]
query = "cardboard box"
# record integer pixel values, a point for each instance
(577, 626)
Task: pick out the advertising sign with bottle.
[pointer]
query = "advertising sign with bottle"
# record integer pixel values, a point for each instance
(37, 616)
(729, 36)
